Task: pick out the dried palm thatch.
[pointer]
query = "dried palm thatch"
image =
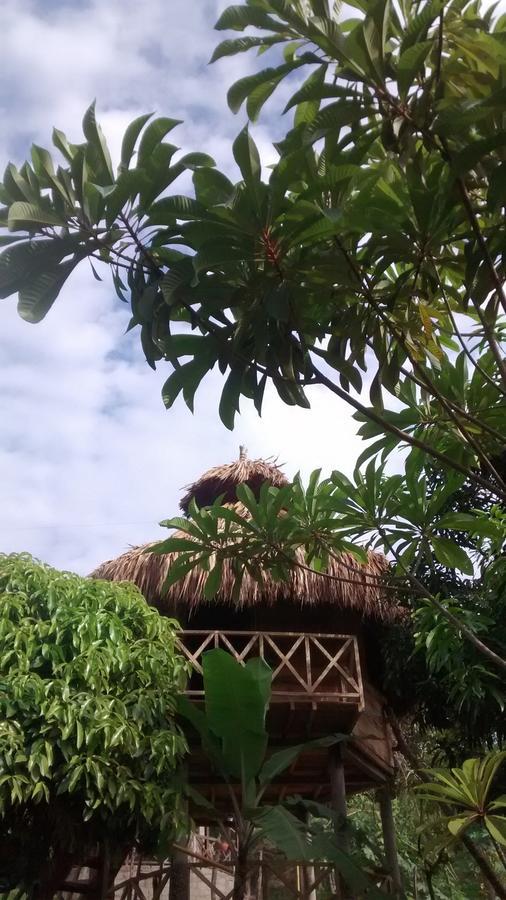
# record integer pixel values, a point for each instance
(347, 584)
(223, 480)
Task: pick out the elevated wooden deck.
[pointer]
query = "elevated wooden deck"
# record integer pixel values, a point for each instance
(317, 690)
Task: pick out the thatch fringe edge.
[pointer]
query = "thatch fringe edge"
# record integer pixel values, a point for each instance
(353, 586)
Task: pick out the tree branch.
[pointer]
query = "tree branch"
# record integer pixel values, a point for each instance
(486, 377)
(475, 225)
(363, 278)
(449, 406)
(422, 591)
(407, 438)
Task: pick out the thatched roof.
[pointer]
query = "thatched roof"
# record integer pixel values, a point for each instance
(352, 586)
(223, 480)
(346, 583)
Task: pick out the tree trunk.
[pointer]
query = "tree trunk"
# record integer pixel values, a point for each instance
(179, 885)
(241, 871)
(481, 860)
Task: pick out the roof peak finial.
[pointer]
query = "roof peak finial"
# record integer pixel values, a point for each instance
(243, 452)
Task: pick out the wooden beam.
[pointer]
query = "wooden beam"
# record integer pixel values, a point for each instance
(375, 769)
(210, 863)
(79, 887)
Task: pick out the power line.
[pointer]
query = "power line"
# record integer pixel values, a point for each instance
(74, 526)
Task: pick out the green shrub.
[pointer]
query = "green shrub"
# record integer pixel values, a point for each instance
(89, 676)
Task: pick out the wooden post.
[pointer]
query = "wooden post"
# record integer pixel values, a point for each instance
(338, 803)
(389, 841)
(338, 794)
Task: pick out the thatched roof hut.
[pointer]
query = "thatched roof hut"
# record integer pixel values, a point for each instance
(347, 584)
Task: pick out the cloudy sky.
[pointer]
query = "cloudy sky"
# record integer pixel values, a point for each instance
(90, 460)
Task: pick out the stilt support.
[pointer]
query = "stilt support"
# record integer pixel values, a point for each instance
(338, 794)
(338, 802)
(389, 841)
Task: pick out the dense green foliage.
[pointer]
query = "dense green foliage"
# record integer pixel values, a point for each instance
(422, 872)
(89, 676)
(369, 260)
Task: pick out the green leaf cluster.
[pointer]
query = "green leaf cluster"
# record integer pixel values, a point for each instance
(394, 513)
(89, 746)
(445, 582)
(74, 210)
(467, 790)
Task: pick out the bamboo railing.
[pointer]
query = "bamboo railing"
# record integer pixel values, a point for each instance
(314, 667)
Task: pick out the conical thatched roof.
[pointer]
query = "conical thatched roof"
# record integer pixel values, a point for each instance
(346, 583)
(223, 480)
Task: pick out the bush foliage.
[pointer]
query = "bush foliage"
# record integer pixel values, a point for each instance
(89, 676)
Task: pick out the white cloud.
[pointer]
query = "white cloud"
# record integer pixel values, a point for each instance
(131, 56)
(89, 459)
